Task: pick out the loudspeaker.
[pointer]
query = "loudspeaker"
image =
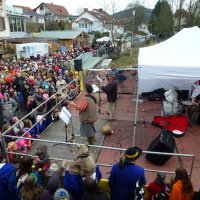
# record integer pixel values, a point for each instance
(78, 65)
(163, 143)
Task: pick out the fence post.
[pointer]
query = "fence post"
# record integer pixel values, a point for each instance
(4, 148)
(38, 132)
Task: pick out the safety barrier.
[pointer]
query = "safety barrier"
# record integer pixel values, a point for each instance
(6, 150)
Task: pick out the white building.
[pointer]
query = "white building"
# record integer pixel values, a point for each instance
(12, 22)
(95, 20)
(52, 12)
(4, 23)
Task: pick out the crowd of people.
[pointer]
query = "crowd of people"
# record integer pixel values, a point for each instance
(39, 179)
(27, 83)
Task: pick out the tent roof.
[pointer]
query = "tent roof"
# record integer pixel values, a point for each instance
(181, 50)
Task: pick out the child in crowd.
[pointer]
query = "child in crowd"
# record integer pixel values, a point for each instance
(158, 187)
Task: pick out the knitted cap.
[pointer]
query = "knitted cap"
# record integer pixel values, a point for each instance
(54, 167)
(61, 194)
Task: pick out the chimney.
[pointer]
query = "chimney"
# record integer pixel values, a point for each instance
(100, 9)
(85, 9)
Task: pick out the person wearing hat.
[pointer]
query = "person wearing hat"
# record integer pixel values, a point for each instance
(111, 91)
(87, 114)
(62, 194)
(125, 174)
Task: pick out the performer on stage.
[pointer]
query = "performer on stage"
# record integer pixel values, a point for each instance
(87, 114)
(111, 91)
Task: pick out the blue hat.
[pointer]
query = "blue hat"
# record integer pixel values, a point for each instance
(61, 194)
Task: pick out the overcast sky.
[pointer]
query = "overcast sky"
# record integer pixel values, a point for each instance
(73, 6)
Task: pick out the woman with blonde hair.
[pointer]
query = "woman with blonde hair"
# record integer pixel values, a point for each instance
(182, 188)
(31, 190)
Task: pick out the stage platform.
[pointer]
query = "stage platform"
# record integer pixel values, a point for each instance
(123, 133)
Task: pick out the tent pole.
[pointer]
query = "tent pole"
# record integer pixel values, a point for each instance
(136, 110)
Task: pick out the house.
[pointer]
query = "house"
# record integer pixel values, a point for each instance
(95, 20)
(35, 22)
(4, 25)
(64, 39)
(52, 12)
(33, 17)
(12, 22)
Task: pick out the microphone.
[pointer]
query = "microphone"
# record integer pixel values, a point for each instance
(98, 79)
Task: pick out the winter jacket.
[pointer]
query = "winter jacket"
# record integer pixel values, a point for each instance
(8, 183)
(9, 108)
(177, 194)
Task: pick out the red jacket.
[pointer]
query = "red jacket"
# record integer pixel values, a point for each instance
(154, 189)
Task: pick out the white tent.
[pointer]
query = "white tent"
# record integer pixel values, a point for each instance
(172, 63)
(104, 39)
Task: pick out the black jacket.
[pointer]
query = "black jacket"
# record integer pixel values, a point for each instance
(111, 90)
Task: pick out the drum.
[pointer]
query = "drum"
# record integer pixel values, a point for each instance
(106, 129)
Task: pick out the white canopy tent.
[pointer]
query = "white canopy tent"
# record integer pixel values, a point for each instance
(104, 39)
(172, 63)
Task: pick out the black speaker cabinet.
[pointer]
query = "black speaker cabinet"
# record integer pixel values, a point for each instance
(78, 65)
(163, 143)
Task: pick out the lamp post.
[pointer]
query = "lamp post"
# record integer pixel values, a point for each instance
(132, 32)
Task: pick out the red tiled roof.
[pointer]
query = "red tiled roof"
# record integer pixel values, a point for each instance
(23, 7)
(100, 14)
(57, 9)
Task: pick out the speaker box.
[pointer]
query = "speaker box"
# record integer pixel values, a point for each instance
(78, 65)
(163, 143)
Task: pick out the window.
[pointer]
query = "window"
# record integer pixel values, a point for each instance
(82, 25)
(22, 24)
(16, 25)
(79, 25)
(19, 27)
(2, 24)
(42, 8)
(85, 25)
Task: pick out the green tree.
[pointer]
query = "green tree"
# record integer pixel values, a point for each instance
(162, 21)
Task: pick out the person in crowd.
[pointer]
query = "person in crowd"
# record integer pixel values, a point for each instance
(8, 182)
(194, 110)
(87, 114)
(60, 82)
(52, 185)
(91, 190)
(27, 128)
(182, 188)
(158, 186)
(125, 174)
(17, 129)
(73, 181)
(24, 169)
(111, 91)
(62, 194)
(9, 106)
(1, 117)
(31, 189)
(42, 158)
(5, 127)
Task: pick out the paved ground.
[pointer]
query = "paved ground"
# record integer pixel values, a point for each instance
(123, 133)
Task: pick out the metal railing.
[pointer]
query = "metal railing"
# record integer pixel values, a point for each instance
(6, 150)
